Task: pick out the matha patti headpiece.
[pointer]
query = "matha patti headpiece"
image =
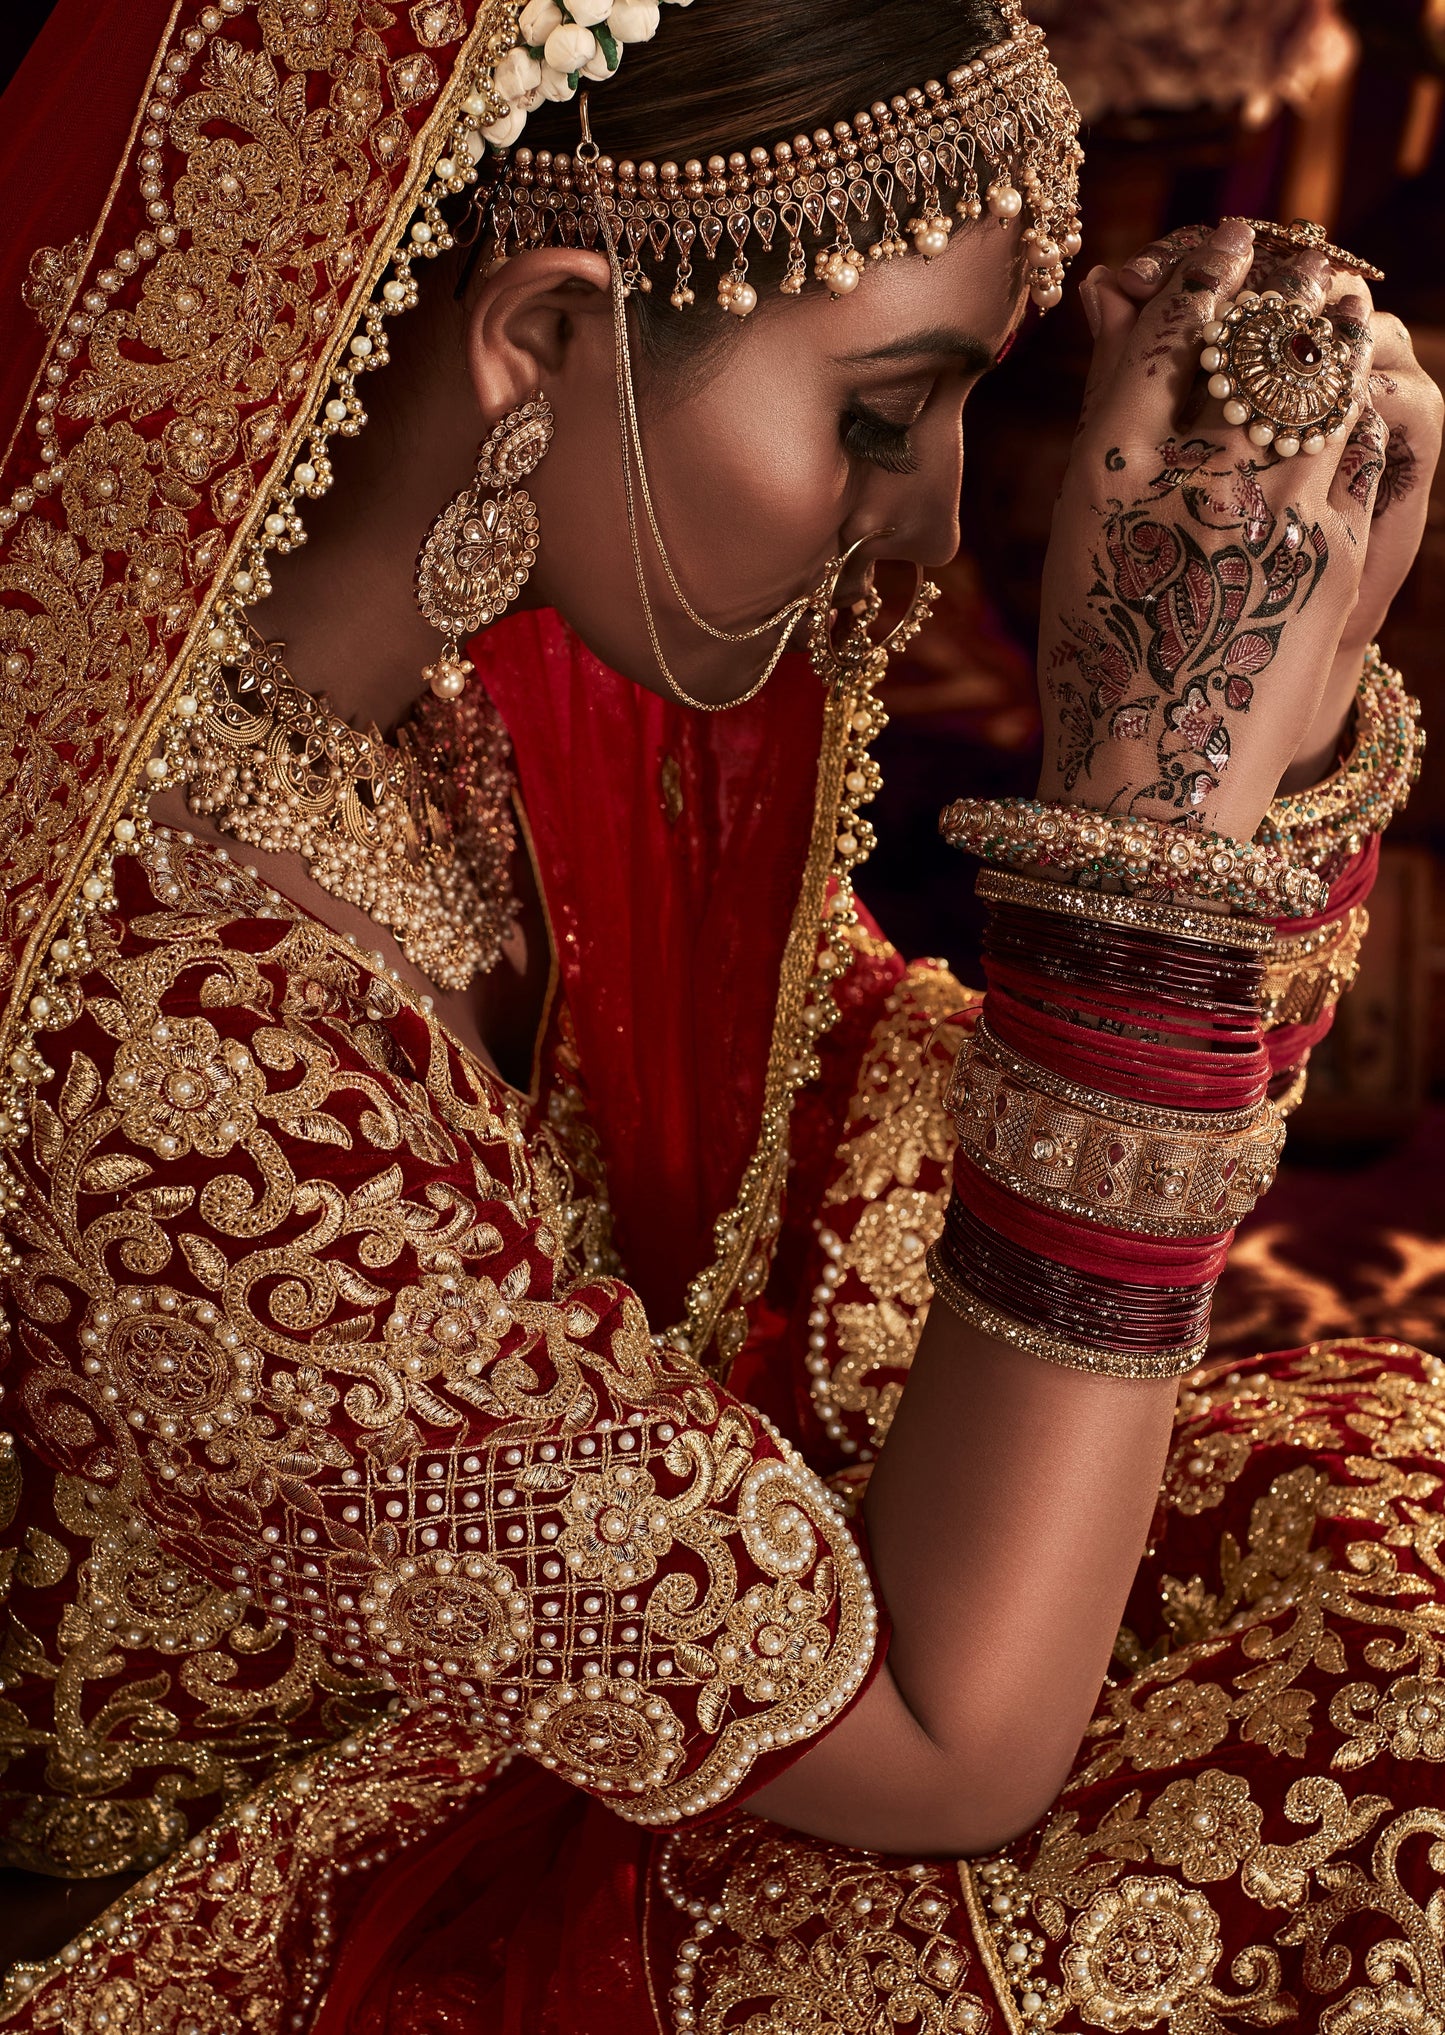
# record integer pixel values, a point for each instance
(1000, 134)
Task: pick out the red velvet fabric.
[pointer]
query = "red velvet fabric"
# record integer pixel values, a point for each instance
(671, 846)
(67, 113)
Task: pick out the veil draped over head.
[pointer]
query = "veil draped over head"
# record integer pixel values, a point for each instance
(199, 202)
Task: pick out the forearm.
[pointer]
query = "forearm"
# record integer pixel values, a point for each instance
(1007, 1516)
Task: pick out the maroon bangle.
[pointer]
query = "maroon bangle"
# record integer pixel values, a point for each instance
(1101, 1313)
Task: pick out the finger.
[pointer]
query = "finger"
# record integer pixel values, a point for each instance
(1298, 275)
(1354, 328)
(1413, 412)
(1362, 463)
(1146, 272)
(1160, 352)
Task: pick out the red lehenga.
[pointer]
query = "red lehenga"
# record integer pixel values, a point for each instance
(382, 1587)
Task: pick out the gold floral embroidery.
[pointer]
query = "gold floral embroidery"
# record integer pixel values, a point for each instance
(1138, 1952)
(1206, 1827)
(617, 1529)
(235, 1932)
(291, 1380)
(1405, 1720)
(785, 1932)
(893, 1167)
(89, 1721)
(50, 280)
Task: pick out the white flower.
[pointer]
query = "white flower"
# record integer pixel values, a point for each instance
(568, 48)
(539, 18)
(519, 79)
(634, 20)
(502, 133)
(556, 84)
(599, 66)
(587, 13)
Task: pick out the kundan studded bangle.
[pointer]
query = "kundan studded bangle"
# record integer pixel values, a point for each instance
(1166, 1173)
(1089, 848)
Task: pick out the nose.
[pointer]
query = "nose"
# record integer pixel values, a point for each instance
(915, 516)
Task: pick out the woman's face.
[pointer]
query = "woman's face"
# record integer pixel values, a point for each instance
(808, 426)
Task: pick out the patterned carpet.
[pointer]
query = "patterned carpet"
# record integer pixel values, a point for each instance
(1353, 1249)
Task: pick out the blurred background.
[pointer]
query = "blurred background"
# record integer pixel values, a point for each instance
(1331, 110)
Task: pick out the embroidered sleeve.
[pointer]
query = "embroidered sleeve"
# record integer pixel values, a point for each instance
(292, 1279)
(883, 1195)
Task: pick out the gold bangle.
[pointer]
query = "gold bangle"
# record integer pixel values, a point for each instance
(1035, 893)
(1305, 977)
(1164, 1173)
(1289, 1099)
(1135, 1364)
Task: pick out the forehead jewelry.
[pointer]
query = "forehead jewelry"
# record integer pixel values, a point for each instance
(998, 136)
(787, 617)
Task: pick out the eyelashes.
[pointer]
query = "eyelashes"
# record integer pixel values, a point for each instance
(882, 444)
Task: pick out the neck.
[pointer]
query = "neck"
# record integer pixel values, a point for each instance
(343, 605)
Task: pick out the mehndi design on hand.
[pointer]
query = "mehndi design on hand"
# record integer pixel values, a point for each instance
(1179, 627)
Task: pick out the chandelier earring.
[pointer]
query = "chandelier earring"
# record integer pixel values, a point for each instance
(477, 555)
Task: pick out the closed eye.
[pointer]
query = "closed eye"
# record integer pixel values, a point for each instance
(869, 436)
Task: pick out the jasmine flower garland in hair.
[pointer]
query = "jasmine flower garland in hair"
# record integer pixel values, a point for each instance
(560, 46)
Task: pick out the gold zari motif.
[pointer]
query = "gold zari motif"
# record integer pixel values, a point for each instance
(350, 1377)
(1177, 1883)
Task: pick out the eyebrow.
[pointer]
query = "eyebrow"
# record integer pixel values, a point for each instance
(937, 340)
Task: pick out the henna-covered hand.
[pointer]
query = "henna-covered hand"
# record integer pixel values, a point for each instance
(1198, 589)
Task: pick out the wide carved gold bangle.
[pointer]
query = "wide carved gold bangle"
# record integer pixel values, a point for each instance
(1055, 1349)
(1305, 977)
(1157, 1172)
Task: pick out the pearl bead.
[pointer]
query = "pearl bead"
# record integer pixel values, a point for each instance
(741, 299)
(1211, 360)
(1221, 386)
(844, 278)
(1261, 433)
(1004, 201)
(1286, 447)
(1047, 298)
(1213, 331)
(1313, 444)
(931, 241)
(1236, 412)
(1071, 244)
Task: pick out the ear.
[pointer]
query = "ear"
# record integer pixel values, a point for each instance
(529, 319)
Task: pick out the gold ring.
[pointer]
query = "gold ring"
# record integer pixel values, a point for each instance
(1280, 371)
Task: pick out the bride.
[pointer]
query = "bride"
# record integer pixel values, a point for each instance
(590, 1451)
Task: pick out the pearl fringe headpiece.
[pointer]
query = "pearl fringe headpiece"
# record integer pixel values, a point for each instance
(999, 135)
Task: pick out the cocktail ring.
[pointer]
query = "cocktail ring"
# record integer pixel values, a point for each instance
(1281, 371)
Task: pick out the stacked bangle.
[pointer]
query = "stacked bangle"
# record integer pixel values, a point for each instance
(1090, 848)
(1120, 1104)
(1113, 1123)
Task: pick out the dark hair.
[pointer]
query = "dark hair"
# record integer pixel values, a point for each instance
(731, 74)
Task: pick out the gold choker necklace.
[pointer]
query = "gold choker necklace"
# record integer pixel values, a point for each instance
(417, 833)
